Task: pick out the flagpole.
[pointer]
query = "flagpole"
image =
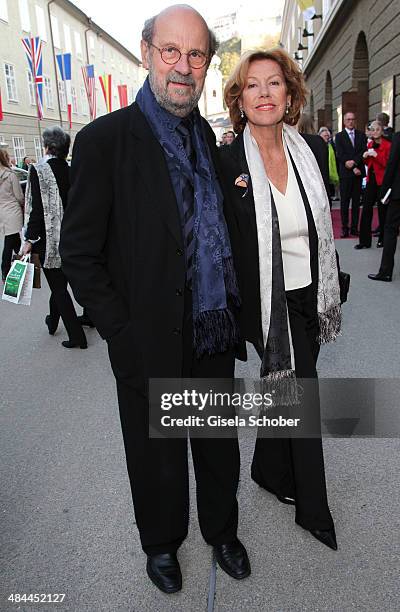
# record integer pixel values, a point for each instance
(65, 89)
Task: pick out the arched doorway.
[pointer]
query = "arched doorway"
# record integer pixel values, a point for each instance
(357, 99)
(325, 114)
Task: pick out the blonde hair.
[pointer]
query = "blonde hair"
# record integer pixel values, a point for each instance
(292, 74)
(5, 158)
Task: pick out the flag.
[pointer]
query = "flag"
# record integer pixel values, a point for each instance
(1, 108)
(64, 65)
(33, 49)
(90, 86)
(307, 6)
(105, 82)
(123, 95)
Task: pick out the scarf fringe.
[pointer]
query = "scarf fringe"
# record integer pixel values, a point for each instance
(282, 385)
(215, 331)
(330, 324)
(231, 285)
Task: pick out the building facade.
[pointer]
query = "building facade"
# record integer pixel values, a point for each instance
(350, 55)
(63, 28)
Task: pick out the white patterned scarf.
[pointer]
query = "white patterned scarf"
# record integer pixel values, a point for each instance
(328, 292)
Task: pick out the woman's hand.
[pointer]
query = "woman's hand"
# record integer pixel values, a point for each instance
(366, 154)
(27, 248)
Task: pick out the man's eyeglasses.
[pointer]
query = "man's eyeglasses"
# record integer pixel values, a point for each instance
(172, 55)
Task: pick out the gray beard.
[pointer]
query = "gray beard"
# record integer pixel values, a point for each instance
(179, 109)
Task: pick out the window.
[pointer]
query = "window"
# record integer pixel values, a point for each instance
(310, 39)
(31, 89)
(74, 101)
(56, 32)
(41, 23)
(326, 7)
(67, 38)
(61, 91)
(112, 59)
(84, 102)
(48, 92)
(2, 140)
(3, 10)
(24, 15)
(19, 148)
(38, 148)
(11, 83)
(78, 44)
(103, 52)
(91, 45)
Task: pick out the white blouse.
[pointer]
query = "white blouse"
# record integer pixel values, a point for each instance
(293, 228)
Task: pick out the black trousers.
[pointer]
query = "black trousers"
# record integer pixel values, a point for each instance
(12, 242)
(61, 305)
(158, 468)
(372, 196)
(390, 237)
(350, 189)
(295, 466)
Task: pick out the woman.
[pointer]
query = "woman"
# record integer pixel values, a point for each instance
(11, 212)
(325, 134)
(46, 198)
(281, 232)
(376, 158)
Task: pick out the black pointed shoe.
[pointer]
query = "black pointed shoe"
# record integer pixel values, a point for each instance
(284, 499)
(381, 277)
(51, 326)
(233, 559)
(326, 536)
(164, 571)
(361, 246)
(85, 321)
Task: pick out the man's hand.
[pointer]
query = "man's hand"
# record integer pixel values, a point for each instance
(357, 172)
(350, 164)
(27, 248)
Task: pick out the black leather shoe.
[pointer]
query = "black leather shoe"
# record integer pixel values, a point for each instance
(345, 233)
(361, 246)
(50, 325)
(70, 344)
(326, 536)
(382, 277)
(379, 245)
(284, 499)
(164, 571)
(233, 559)
(85, 321)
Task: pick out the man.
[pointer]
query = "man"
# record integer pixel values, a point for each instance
(384, 120)
(350, 146)
(391, 181)
(223, 140)
(146, 249)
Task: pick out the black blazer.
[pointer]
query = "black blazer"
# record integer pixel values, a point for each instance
(241, 217)
(122, 247)
(320, 149)
(345, 152)
(392, 172)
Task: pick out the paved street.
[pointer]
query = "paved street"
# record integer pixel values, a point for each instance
(66, 514)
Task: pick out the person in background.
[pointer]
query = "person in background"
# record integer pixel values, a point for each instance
(350, 146)
(223, 140)
(284, 252)
(46, 198)
(384, 120)
(11, 211)
(26, 162)
(391, 180)
(230, 137)
(325, 134)
(376, 158)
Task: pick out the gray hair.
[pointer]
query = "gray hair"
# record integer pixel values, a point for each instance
(148, 33)
(56, 141)
(323, 128)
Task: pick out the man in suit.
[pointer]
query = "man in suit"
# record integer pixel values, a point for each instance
(350, 146)
(391, 181)
(146, 249)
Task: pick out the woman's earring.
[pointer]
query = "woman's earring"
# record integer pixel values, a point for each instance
(241, 113)
(287, 108)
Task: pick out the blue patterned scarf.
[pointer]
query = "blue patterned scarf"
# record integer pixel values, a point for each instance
(214, 283)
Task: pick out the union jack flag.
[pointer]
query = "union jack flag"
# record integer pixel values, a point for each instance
(90, 86)
(33, 49)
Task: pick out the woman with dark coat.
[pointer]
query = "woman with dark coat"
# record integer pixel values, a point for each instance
(279, 217)
(45, 201)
